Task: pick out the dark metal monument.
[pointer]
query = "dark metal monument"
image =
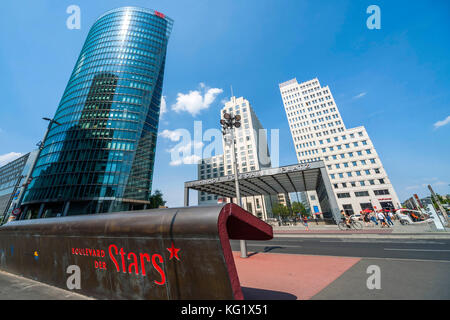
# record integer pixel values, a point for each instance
(179, 253)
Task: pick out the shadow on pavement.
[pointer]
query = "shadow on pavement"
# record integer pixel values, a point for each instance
(262, 294)
(266, 249)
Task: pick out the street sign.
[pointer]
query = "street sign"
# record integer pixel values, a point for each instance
(16, 212)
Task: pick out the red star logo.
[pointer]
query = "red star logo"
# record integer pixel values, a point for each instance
(173, 252)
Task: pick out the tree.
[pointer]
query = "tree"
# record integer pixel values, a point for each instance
(298, 207)
(156, 200)
(280, 210)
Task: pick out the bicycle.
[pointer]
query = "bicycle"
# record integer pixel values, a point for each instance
(353, 224)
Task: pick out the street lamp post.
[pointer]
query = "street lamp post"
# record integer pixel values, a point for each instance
(228, 124)
(30, 172)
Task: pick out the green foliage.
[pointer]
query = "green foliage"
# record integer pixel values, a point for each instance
(280, 210)
(156, 200)
(298, 207)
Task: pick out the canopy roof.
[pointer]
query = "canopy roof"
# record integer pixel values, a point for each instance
(287, 179)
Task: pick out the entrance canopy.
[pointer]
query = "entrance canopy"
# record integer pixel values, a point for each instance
(294, 178)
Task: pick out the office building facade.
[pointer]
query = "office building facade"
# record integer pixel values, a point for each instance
(100, 157)
(318, 132)
(252, 154)
(13, 176)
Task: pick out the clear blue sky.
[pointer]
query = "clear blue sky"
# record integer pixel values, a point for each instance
(395, 81)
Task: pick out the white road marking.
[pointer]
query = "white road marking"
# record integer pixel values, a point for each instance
(273, 245)
(401, 249)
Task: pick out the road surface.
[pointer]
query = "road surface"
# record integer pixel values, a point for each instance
(409, 269)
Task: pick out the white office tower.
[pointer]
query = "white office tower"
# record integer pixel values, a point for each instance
(319, 133)
(252, 153)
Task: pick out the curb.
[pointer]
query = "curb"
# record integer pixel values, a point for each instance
(362, 236)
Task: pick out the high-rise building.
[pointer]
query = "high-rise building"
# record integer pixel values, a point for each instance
(319, 133)
(13, 176)
(252, 154)
(101, 156)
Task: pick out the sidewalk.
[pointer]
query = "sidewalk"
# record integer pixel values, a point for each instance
(278, 276)
(424, 231)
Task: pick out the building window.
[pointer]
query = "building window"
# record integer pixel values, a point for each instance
(343, 195)
(381, 181)
(362, 193)
(381, 192)
(348, 209)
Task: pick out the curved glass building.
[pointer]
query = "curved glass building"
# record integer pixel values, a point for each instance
(100, 157)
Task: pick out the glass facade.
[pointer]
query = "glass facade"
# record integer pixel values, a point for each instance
(100, 157)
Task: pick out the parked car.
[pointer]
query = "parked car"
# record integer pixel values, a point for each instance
(406, 216)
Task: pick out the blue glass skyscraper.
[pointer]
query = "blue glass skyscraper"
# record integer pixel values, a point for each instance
(101, 156)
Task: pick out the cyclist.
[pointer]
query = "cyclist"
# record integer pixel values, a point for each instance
(346, 218)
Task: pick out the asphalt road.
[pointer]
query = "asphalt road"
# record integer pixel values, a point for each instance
(363, 248)
(408, 269)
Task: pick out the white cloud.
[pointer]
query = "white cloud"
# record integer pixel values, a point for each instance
(197, 100)
(163, 106)
(182, 153)
(192, 159)
(173, 135)
(442, 123)
(362, 94)
(186, 148)
(8, 157)
(425, 185)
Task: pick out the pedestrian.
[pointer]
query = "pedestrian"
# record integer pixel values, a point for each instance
(315, 219)
(366, 218)
(305, 222)
(373, 218)
(389, 218)
(382, 219)
(392, 214)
